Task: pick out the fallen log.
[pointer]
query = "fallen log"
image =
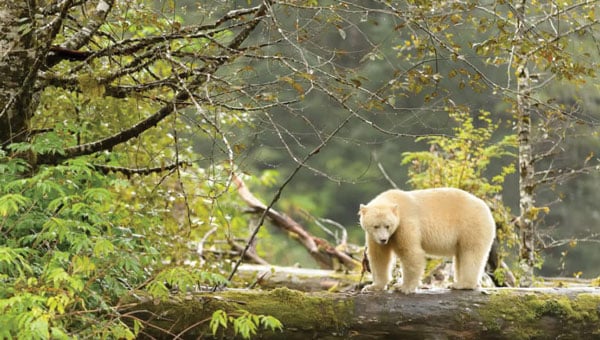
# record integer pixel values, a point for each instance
(500, 313)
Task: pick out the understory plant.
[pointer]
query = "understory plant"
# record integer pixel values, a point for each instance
(79, 247)
(464, 160)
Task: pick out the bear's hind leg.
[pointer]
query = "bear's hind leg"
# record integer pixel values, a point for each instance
(468, 268)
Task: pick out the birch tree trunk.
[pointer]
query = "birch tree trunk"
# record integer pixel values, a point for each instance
(526, 164)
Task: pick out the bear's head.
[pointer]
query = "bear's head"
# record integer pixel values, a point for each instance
(379, 220)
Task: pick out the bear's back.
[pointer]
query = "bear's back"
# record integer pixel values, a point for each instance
(455, 203)
(443, 217)
(441, 198)
(449, 215)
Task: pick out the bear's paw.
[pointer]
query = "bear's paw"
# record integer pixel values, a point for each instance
(405, 289)
(464, 286)
(372, 288)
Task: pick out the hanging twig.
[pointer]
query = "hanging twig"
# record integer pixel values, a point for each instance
(386, 176)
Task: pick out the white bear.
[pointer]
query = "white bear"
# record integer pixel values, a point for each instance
(438, 222)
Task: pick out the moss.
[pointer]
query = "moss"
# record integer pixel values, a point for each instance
(535, 315)
(308, 311)
(588, 308)
(296, 311)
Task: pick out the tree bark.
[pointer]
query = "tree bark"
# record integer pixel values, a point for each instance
(525, 222)
(28, 31)
(435, 314)
(16, 60)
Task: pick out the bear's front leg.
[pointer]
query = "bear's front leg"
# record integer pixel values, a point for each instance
(380, 261)
(413, 266)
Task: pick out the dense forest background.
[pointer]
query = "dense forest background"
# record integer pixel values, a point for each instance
(124, 126)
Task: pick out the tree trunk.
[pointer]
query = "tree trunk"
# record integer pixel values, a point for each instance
(525, 222)
(16, 60)
(435, 314)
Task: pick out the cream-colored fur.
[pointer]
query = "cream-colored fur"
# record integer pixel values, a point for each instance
(438, 222)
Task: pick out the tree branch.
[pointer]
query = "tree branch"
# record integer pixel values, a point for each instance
(111, 141)
(84, 35)
(69, 49)
(139, 171)
(319, 249)
(202, 77)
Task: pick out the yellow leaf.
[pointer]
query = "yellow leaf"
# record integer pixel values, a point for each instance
(91, 86)
(298, 88)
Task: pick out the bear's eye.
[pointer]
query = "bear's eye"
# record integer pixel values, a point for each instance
(387, 227)
(376, 227)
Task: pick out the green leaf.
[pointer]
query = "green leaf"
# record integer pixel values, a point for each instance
(13, 261)
(103, 247)
(218, 319)
(11, 203)
(270, 322)
(57, 276)
(158, 290)
(39, 328)
(58, 303)
(59, 334)
(82, 264)
(245, 325)
(97, 194)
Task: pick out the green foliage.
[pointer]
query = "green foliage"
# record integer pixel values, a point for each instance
(463, 161)
(72, 246)
(56, 266)
(183, 278)
(244, 323)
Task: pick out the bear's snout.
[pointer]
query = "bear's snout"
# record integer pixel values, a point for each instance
(383, 240)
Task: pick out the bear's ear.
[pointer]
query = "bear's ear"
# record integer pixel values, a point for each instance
(362, 209)
(396, 210)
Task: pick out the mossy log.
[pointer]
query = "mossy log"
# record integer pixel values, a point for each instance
(545, 313)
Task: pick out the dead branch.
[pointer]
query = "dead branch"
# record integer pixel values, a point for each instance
(249, 255)
(321, 250)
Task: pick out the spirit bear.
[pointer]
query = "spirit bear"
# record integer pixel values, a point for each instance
(437, 222)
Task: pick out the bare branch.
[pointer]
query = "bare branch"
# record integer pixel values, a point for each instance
(318, 248)
(386, 176)
(553, 243)
(560, 175)
(251, 256)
